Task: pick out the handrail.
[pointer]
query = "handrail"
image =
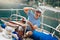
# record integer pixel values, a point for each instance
(50, 27)
(50, 8)
(16, 16)
(51, 18)
(11, 9)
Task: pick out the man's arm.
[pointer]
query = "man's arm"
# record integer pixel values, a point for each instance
(26, 9)
(32, 26)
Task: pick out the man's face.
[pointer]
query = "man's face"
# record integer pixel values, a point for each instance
(37, 14)
(20, 33)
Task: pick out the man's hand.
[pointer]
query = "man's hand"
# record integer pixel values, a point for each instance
(29, 8)
(26, 9)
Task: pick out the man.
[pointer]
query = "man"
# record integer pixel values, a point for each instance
(35, 35)
(33, 17)
(20, 30)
